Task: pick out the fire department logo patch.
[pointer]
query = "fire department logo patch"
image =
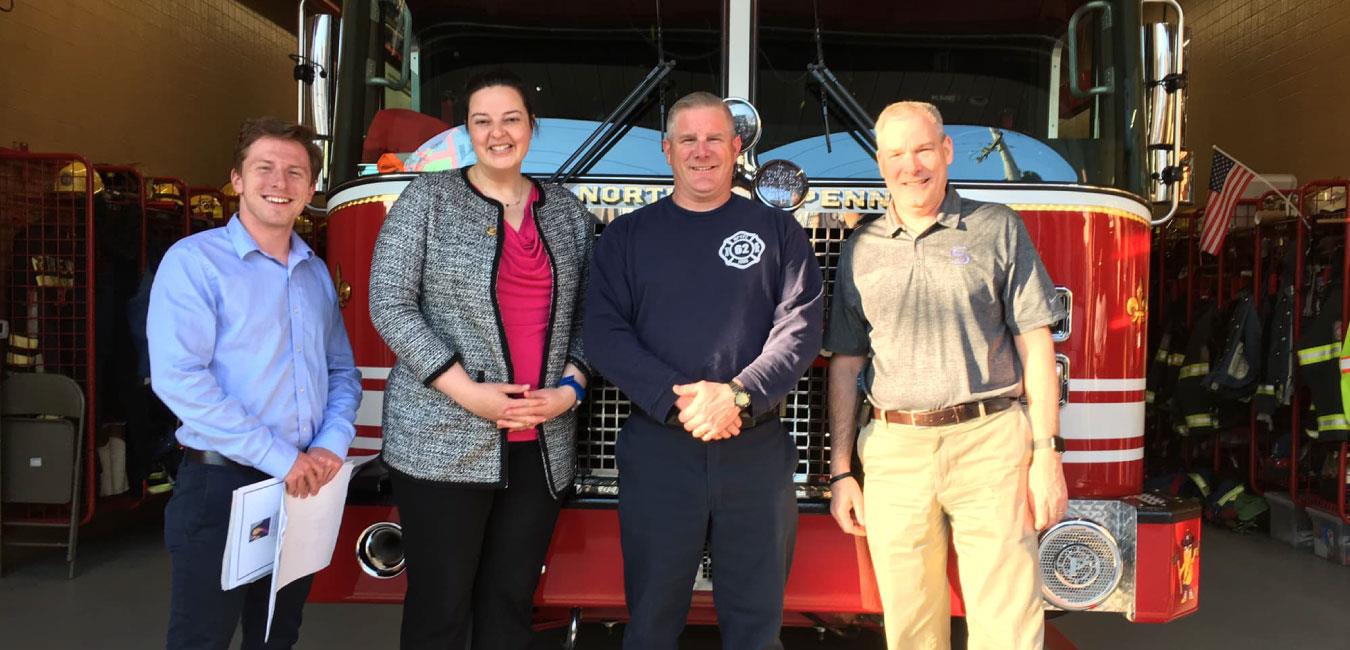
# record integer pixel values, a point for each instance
(741, 250)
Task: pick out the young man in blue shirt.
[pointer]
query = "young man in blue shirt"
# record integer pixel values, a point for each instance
(248, 349)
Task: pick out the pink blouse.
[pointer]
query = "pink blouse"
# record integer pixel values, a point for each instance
(524, 296)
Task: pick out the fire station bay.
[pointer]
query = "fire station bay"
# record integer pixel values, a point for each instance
(691, 324)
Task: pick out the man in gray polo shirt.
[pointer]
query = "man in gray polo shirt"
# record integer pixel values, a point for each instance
(951, 302)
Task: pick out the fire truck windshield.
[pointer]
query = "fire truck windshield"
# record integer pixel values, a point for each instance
(579, 70)
(998, 70)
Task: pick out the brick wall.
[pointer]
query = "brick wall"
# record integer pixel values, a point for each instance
(157, 82)
(1267, 84)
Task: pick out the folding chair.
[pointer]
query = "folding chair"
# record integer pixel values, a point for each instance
(41, 451)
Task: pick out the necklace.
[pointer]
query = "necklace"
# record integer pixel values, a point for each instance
(520, 195)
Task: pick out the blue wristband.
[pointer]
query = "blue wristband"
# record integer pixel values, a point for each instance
(571, 382)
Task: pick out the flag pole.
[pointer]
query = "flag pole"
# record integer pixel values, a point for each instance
(1287, 201)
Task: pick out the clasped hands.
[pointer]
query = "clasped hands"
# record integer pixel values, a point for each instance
(515, 407)
(708, 410)
(311, 471)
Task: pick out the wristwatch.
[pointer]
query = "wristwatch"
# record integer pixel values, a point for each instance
(1054, 442)
(740, 396)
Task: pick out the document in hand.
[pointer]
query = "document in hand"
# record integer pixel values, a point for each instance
(251, 540)
(307, 533)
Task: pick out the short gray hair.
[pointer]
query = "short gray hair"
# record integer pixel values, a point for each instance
(697, 99)
(895, 110)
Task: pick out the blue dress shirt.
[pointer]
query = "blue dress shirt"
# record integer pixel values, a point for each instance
(250, 352)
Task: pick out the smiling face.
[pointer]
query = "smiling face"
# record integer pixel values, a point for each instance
(274, 183)
(499, 127)
(913, 154)
(701, 148)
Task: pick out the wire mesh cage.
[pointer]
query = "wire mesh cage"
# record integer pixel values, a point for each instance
(47, 284)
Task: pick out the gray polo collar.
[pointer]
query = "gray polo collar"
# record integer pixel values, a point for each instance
(949, 214)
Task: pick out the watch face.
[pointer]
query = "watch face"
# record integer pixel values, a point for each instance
(740, 397)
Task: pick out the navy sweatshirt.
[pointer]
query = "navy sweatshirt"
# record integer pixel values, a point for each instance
(678, 296)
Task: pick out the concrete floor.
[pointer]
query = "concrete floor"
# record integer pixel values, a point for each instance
(1255, 593)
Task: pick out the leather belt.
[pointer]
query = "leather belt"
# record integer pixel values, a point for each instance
(747, 422)
(199, 457)
(945, 416)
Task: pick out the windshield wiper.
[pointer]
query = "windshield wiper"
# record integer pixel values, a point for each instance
(617, 125)
(857, 122)
(621, 120)
(855, 117)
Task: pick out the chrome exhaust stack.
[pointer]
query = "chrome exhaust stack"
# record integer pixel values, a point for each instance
(379, 550)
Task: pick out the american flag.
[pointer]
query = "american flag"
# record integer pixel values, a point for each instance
(1228, 179)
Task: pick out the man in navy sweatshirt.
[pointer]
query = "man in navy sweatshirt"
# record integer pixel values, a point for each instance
(705, 309)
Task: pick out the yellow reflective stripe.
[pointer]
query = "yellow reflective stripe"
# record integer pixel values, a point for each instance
(1176, 359)
(1200, 482)
(23, 342)
(23, 360)
(1195, 370)
(1308, 356)
(1148, 397)
(54, 281)
(1199, 420)
(1265, 389)
(1230, 495)
(1333, 422)
(1345, 371)
(1161, 355)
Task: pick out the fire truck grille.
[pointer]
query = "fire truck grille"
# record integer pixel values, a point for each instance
(703, 580)
(803, 411)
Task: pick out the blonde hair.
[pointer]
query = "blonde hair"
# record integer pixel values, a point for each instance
(697, 99)
(899, 108)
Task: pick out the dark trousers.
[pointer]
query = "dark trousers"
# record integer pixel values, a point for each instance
(675, 493)
(201, 615)
(474, 556)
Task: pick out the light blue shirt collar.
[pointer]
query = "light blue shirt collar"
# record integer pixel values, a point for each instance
(244, 243)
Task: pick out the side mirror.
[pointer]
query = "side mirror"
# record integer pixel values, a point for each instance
(781, 184)
(746, 120)
(315, 78)
(1164, 52)
(315, 74)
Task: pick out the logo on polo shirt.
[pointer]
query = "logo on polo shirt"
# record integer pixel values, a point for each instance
(741, 250)
(960, 256)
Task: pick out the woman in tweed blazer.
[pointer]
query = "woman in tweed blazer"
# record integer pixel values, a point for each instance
(476, 285)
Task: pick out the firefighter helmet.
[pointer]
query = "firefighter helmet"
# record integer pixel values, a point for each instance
(206, 205)
(72, 177)
(163, 191)
(228, 189)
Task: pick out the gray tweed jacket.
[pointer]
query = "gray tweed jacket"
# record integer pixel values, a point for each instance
(433, 298)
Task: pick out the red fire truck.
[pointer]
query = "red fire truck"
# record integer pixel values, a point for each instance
(1068, 111)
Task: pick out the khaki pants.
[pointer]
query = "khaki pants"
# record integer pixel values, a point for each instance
(969, 478)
